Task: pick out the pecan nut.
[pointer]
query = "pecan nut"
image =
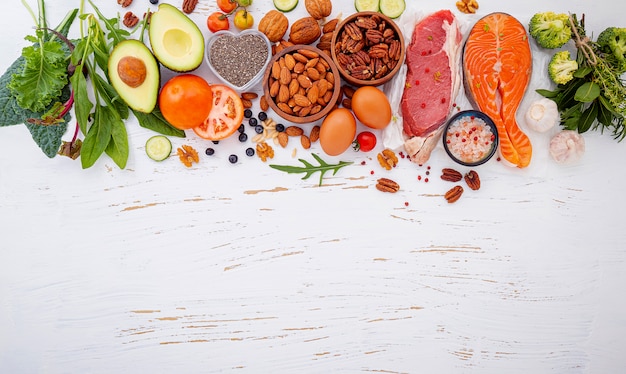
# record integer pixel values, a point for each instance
(130, 19)
(387, 185)
(125, 3)
(472, 179)
(189, 6)
(454, 194)
(352, 32)
(451, 175)
(366, 23)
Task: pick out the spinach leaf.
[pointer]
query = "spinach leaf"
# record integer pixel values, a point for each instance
(156, 122)
(97, 138)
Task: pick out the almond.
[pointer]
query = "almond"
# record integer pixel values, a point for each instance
(285, 76)
(315, 133)
(283, 94)
(305, 141)
(294, 131)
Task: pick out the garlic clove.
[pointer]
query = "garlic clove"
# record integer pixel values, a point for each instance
(542, 115)
(567, 147)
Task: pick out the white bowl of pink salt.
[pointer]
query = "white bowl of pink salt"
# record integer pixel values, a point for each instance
(239, 60)
(470, 138)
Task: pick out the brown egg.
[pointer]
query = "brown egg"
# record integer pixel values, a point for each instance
(337, 131)
(371, 107)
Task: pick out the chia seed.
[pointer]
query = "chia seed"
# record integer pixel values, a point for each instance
(238, 59)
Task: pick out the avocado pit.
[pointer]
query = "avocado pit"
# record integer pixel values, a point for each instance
(132, 71)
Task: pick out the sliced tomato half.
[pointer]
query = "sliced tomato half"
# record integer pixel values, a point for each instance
(225, 116)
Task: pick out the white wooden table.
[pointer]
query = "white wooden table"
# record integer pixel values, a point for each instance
(221, 267)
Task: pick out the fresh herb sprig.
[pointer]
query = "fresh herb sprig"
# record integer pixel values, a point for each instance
(309, 169)
(596, 97)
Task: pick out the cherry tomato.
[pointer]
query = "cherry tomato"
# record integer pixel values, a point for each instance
(227, 6)
(217, 21)
(243, 19)
(185, 101)
(365, 141)
(225, 116)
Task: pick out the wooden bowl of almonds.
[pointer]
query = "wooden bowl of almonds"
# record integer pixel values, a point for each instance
(368, 49)
(301, 84)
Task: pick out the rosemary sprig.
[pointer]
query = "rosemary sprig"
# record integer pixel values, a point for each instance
(309, 169)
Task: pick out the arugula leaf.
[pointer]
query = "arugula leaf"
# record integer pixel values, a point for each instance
(309, 168)
(156, 122)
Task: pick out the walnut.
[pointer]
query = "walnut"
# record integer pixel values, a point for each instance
(188, 155)
(305, 31)
(274, 25)
(125, 3)
(264, 151)
(318, 9)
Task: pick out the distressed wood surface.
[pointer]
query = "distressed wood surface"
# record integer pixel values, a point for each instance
(220, 267)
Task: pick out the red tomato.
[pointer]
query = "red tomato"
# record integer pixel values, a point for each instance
(225, 116)
(227, 6)
(185, 101)
(217, 21)
(365, 141)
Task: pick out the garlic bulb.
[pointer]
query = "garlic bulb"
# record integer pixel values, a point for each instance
(567, 146)
(542, 115)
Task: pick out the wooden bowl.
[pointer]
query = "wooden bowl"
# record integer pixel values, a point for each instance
(344, 66)
(330, 67)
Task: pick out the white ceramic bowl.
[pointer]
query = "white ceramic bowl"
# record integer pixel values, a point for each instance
(244, 57)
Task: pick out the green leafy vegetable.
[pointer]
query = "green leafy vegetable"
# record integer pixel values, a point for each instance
(595, 97)
(156, 122)
(309, 169)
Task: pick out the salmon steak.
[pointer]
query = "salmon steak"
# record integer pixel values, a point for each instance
(497, 67)
(432, 82)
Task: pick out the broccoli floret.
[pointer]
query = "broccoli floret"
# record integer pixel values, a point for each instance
(550, 30)
(612, 41)
(561, 68)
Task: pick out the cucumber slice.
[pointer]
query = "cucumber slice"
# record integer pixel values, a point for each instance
(158, 148)
(392, 8)
(366, 5)
(285, 5)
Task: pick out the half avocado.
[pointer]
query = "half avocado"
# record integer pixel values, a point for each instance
(134, 73)
(175, 39)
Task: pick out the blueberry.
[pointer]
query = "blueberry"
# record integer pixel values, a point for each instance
(280, 127)
(154, 1)
(258, 129)
(241, 128)
(216, 142)
(253, 122)
(247, 113)
(243, 137)
(233, 159)
(262, 116)
(250, 152)
(209, 151)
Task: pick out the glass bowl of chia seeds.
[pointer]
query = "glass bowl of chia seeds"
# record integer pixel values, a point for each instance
(470, 138)
(239, 60)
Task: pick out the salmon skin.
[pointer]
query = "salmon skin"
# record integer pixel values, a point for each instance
(497, 67)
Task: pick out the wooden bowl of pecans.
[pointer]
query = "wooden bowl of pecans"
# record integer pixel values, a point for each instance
(301, 84)
(368, 49)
